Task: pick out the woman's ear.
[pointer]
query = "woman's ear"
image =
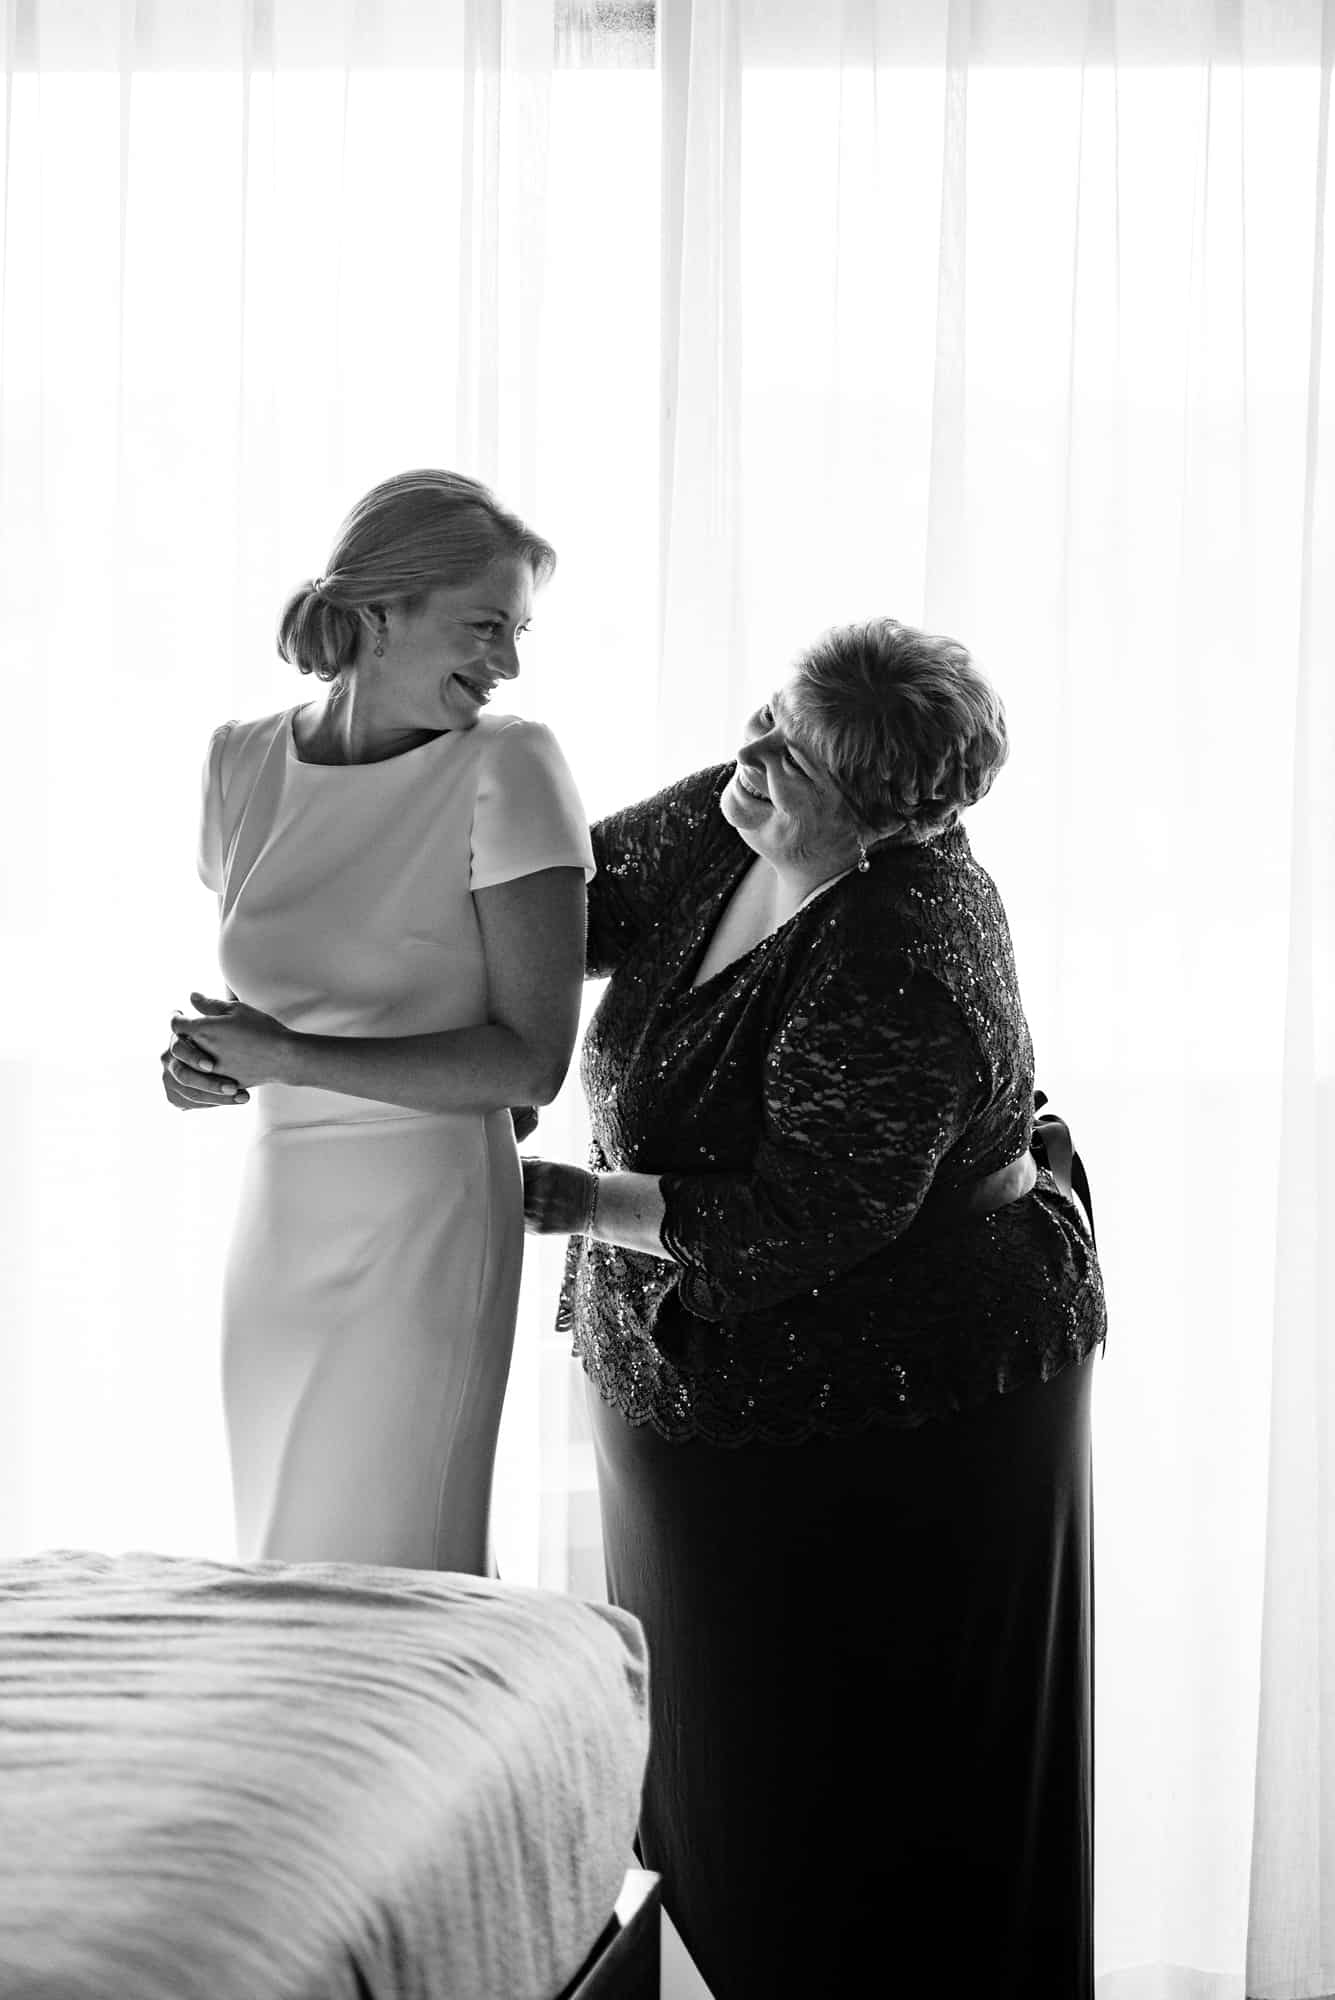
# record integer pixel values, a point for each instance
(886, 836)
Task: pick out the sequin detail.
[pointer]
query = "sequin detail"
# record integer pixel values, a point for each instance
(809, 1108)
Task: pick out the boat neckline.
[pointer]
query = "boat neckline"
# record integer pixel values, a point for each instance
(363, 764)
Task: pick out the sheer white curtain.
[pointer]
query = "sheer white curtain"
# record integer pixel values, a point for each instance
(1009, 322)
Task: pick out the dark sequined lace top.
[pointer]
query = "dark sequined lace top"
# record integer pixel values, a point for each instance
(811, 1110)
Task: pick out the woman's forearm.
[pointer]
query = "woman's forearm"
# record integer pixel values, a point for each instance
(457, 1069)
(630, 1212)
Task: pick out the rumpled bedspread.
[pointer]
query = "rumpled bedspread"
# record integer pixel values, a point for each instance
(303, 1781)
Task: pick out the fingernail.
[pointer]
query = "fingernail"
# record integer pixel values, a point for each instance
(229, 1090)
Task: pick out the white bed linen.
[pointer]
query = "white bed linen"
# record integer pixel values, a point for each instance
(283, 1781)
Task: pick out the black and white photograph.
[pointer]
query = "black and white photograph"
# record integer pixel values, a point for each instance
(681, 653)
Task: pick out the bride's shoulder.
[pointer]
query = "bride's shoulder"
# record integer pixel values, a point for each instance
(258, 728)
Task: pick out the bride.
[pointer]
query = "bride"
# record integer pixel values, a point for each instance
(401, 885)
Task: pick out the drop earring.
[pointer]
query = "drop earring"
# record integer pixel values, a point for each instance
(379, 648)
(863, 861)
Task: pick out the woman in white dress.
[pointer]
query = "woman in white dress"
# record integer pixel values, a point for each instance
(401, 884)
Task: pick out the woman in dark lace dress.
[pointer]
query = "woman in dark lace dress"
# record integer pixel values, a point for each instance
(839, 1325)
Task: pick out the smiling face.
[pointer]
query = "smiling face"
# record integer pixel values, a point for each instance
(443, 659)
(784, 803)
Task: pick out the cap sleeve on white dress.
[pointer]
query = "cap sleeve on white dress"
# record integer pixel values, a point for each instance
(527, 814)
(210, 856)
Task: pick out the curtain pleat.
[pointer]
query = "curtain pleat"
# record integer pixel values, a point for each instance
(947, 518)
(1291, 1926)
(701, 623)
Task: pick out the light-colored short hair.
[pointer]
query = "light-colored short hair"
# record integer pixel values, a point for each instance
(910, 730)
(406, 537)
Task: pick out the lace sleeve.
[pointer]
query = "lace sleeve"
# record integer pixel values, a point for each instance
(645, 856)
(869, 1081)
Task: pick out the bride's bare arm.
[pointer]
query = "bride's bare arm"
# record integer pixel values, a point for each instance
(533, 941)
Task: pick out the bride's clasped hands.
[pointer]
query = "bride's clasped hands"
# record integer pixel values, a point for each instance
(219, 1054)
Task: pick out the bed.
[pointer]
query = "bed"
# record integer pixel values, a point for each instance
(308, 1781)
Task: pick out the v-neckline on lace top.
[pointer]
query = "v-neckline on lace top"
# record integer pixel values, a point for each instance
(698, 979)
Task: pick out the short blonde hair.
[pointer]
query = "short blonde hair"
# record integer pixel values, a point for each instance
(909, 729)
(407, 536)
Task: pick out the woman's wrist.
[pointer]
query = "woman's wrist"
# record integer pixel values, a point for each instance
(619, 1208)
(628, 1211)
(290, 1056)
(559, 1200)
(590, 1222)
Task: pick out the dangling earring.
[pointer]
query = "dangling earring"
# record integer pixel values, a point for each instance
(379, 649)
(863, 863)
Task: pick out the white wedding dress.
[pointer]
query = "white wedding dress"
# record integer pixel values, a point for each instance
(371, 1286)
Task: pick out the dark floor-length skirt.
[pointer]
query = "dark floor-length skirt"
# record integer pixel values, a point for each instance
(871, 1691)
